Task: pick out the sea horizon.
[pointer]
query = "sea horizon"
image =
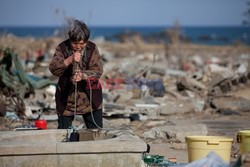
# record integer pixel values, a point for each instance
(212, 35)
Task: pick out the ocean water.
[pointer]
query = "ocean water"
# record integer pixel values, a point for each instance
(198, 35)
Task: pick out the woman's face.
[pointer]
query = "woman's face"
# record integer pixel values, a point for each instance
(78, 46)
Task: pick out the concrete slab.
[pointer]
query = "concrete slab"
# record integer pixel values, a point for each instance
(104, 148)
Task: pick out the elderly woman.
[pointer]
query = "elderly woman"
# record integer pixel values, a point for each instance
(77, 63)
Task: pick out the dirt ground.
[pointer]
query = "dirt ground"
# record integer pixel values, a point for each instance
(218, 125)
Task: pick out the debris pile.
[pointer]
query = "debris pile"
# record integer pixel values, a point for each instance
(19, 90)
(144, 85)
(149, 83)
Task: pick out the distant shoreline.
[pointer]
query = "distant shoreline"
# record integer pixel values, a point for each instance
(211, 35)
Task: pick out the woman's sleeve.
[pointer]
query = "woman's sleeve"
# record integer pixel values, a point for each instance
(57, 65)
(95, 65)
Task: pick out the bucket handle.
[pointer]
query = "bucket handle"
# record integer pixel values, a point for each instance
(213, 142)
(239, 138)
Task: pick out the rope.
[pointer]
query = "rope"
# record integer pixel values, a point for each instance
(92, 115)
(90, 103)
(77, 68)
(90, 100)
(91, 111)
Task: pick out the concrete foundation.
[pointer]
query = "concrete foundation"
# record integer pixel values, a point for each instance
(98, 148)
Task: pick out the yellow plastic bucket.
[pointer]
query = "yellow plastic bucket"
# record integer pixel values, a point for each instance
(200, 146)
(243, 138)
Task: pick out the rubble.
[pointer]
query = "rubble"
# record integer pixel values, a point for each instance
(176, 133)
(182, 106)
(144, 85)
(191, 84)
(234, 104)
(149, 74)
(17, 84)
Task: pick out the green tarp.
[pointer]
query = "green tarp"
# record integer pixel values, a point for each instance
(18, 80)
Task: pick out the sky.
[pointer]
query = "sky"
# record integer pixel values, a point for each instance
(123, 12)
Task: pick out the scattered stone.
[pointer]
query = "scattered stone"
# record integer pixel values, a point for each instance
(176, 73)
(232, 104)
(176, 133)
(118, 121)
(157, 70)
(113, 106)
(182, 106)
(155, 123)
(191, 84)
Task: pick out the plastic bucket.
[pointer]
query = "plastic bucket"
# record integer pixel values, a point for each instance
(243, 138)
(200, 146)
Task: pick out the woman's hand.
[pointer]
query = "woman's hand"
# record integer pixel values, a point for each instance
(79, 76)
(77, 56)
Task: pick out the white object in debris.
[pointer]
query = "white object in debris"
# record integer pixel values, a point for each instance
(215, 68)
(51, 89)
(197, 60)
(147, 105)
(242, 69)
(28, 111)
(173, 72)
(214, 60)
(145, 90)
(53, 117)
(12, 116)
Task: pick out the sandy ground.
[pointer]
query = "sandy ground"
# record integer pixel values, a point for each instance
(218, 125)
